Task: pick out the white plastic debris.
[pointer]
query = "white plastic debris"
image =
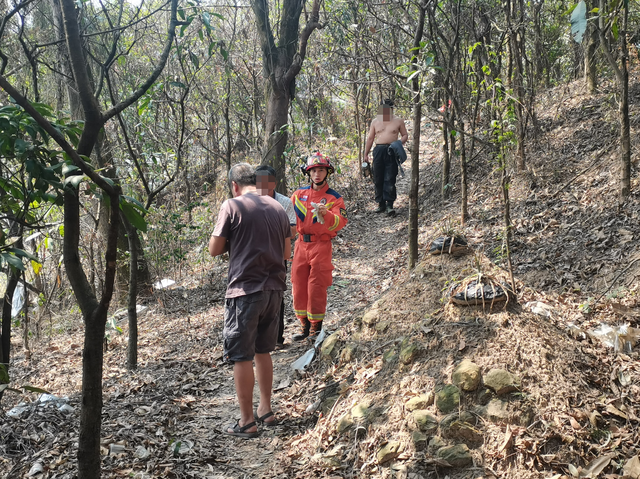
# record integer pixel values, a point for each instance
(124, 311)
(44, 397)
(116, 448)
(539, 308)
(35, 235)
(303, 361)
(320, 339)
(313, 407)
(182, 447)
(65, 408)
(18, 300)
(36, 469)
(164, 283)
(17, 411)
(142, 452)
(620, 338)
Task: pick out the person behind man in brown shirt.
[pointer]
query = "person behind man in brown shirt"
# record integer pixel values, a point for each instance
(255, 230)
(385, 129)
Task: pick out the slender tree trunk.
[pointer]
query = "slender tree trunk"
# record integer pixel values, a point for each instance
(13, 277)
(446, 162)
(507, 220)
(415, 151)
(27, 320)
(625, 135)
(5, 342)
(464, 212)
(357, 122)
(132, 312)
(517, 50)
(622, 77)
(538, 47)
(227, 122)
(590, 70)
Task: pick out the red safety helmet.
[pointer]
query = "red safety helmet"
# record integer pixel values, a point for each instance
(316, 160)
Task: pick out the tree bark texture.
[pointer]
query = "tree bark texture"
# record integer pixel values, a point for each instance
(464, 212)
(590, 70)
(5, 341)
(625, 128)
(446, 162)
(516, 55)
(415, 151)
(281, 62)
(132, 312)
(622, 77)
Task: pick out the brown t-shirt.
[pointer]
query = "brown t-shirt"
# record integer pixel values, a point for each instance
(256, 228)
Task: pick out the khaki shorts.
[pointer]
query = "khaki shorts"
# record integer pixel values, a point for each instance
(251, 325)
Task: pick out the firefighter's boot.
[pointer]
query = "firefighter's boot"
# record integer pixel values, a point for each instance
(316, 327)
(305, 325)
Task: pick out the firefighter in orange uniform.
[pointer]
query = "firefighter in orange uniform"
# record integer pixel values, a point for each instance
(320, 215)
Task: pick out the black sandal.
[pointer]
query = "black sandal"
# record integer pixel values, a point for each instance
(261, 419)
(241, 431)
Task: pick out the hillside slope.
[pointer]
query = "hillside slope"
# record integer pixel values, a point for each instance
(374, 406)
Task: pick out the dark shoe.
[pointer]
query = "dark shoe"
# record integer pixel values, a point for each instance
(263, 419)
(316, 327)
(391, 211)
(304, 331)
(241, 431)
(381, 208)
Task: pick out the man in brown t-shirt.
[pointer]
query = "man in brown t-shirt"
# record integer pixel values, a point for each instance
(255, 230)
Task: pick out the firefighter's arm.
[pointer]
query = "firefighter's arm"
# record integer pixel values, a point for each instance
(298, 209)
(336, 217)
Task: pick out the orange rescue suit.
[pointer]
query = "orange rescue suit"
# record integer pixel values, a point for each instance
(311, 268)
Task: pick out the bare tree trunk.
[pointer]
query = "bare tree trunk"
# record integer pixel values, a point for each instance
(358, 122)
(622, 77)
(5, 341)
(415, 151)
(227, 122)
(517, 50)
(277, 133)
(464, 212)
(590, 70)
(132, 312)
(538, 47)
(625, 135)
(446, 162)
(507, 219)
(282, 62)
(27, 320)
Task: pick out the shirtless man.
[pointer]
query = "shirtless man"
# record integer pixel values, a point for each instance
(385, 129)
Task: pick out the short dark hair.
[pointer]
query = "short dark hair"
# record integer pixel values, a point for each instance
(268, 169)
(387, 102)
(243, 174)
